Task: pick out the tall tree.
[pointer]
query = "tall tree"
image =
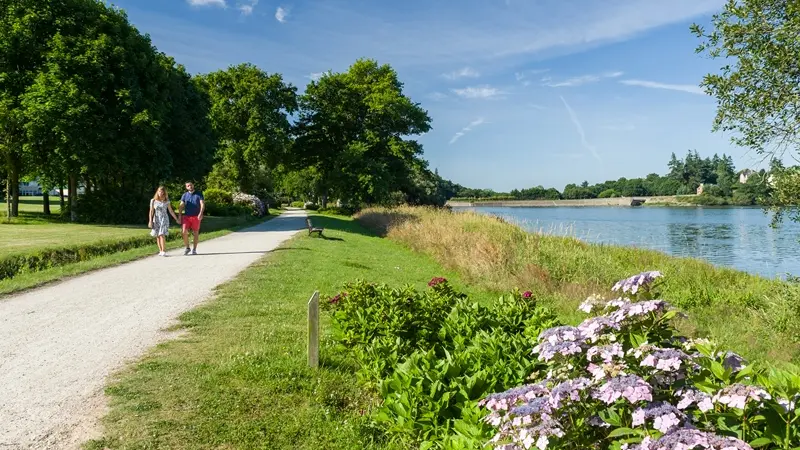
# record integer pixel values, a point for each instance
(352, 130)
(758, 87)
(249, 113)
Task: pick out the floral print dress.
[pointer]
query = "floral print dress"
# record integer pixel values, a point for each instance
(160, 218)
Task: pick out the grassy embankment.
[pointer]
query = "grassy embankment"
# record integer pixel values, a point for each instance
(757, 317)
(33, 233)
(238, 378)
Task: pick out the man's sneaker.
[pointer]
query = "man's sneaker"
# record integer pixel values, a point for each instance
(186, 252)
(194, 252)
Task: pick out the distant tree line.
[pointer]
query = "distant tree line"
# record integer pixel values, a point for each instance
(717, 174)
(87, 101)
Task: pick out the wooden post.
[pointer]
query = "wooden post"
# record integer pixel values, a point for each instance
(313, 330)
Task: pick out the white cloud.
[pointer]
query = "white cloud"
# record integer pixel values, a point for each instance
(314, 76)
(484, 91)
(247, 8)
(467, 129)
(581, 80)
(220, 3)
(535, 106)
(466, 72)
(281, 14)
(437, 96)
(574, 117)
(690, 88)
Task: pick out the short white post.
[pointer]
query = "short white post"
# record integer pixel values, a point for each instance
(313, 330)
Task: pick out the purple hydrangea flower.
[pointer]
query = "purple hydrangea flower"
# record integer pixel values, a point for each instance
(636, 310)
(606, 352)
(738, 395)
(560, 334)
(630, 387)
(503, 401)
(548, 351)
(665, 359)
(570, 390)
(594, 327)
(733, 362)
(665, 416)
(636, 282)
(687, 439)
(691, 396)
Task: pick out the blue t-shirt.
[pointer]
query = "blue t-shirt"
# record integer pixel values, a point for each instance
(191, 202)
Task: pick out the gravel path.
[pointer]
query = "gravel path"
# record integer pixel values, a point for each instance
(59, 343)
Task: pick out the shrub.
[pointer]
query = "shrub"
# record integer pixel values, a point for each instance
(311, 206)
(255, 204)
(706, 200)
(608, 193)
(214, 209)
(432, 355)
(298, 204)
(218, 197)
(339, 210)
(113, 206)
(625, 379)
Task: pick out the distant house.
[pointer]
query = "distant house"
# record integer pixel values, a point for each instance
(29, 188)
(700, 189)
(744, 175)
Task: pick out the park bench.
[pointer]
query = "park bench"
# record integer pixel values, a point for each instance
(312, 230)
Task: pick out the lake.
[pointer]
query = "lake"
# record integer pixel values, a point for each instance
(740, 238)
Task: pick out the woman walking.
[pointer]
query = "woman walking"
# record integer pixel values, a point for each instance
(159, 220)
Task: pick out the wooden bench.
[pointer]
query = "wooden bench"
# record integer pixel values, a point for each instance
(312, 230)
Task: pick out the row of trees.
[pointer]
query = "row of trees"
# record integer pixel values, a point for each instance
(86, 99)
(717, 174)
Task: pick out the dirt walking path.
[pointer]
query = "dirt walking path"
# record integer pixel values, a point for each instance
(59, 343)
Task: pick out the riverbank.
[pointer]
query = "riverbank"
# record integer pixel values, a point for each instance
(616, 201)
(762, 317)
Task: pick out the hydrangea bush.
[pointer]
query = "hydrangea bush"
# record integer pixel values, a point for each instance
(625, 379)
(259, 210)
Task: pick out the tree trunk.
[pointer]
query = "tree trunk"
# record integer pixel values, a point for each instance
(14, 188)
(61, 197)
(324, 201)
(46, 202)
(73, 197)
(8, 198)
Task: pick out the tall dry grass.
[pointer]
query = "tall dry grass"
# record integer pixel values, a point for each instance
(760, 318)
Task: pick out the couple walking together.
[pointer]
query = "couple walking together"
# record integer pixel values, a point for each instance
(190, 214)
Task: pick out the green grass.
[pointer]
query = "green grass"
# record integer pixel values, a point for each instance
(238, 377)
(32, 204)
(73, 234)
(756, 317)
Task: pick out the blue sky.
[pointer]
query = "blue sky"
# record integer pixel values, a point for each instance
(521, 92)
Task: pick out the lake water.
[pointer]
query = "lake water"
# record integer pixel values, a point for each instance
(740, 238)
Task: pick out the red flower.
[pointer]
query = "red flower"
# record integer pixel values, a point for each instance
(527, 294)
(436, 281)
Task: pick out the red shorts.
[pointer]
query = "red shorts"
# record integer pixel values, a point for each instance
(190, 223)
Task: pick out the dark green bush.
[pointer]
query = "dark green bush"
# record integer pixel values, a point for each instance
(706, 200)
(214, 209)
(608, 193)
(432, 355)
(298, 204)
(339, 210)
(218, 197)
(113, 206)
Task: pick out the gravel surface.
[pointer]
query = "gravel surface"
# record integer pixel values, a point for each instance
(59, 343)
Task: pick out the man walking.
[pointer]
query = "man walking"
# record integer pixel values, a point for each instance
(191, 212)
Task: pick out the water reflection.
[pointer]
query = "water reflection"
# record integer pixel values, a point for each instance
(734, 237)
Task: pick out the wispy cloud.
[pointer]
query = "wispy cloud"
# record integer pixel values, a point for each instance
(437, 96)
(466, 72)
(314, 76)
(220, 3)
(581, 80)
(535, 106)
(281, 14)
(484, 91)
(247, 8)
(467, 129)
(690, 88)
(574, 117)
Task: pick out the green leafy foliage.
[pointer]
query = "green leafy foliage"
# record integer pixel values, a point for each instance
(432, 355)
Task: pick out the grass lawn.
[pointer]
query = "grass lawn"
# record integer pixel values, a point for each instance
(32, 204)
(237, 379)
(32, 234)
